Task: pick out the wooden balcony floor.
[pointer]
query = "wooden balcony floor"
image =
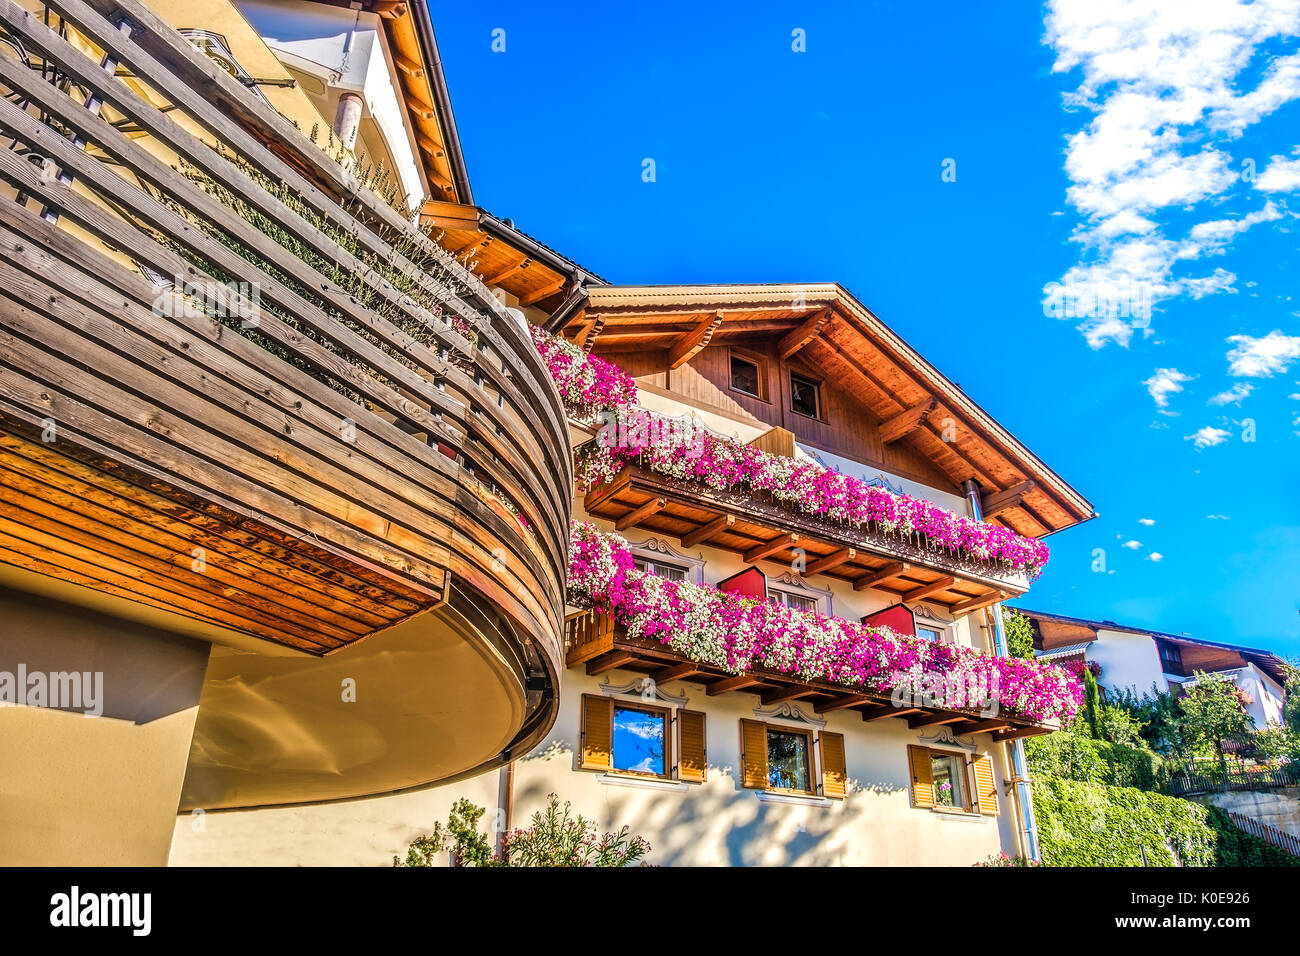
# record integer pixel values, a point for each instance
(746, 525)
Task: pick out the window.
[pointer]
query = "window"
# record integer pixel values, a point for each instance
(948, 771)
(805, 396)
(1171, 656)
(783, 759)
(669, 572)
(746, 376)
(929, 633)
(642, 740)
(799, 602)
(787, 760)
(943, 780)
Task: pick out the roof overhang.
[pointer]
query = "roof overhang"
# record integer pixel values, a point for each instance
(831, 330)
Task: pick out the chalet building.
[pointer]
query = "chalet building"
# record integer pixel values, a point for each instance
(335, 497)
(1140, 660)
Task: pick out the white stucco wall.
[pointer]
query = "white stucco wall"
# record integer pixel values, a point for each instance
(1127, 661)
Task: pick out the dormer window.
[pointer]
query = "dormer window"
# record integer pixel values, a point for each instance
(1171, 657)
(805, 396)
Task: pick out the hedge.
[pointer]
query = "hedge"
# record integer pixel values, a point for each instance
(1095, 824)
(1074, 757)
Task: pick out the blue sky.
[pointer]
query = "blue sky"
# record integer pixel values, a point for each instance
(1124, 154)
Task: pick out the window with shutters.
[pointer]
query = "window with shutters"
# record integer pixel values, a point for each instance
(638, 739)
(779, 758)
(952, 780)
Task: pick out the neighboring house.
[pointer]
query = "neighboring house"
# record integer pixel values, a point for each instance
(1139, 659)
(317, 552)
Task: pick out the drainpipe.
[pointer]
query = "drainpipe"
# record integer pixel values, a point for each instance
(1019, 765)
(505, 803)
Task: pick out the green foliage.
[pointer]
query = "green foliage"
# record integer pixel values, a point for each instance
(1212, 711)
(1093, 824)
(555, 837)
(1291, 709)
(1091, 700)
(1161, 719)
(468, 847)
(1276, 742)
(1236, 847)
(1075, 756)
(1019, 634)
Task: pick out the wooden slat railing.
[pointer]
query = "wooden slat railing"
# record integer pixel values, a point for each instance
(381, 429)
(1266, 832)
(1181, 784)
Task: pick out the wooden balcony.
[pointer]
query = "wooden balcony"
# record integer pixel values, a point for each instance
(594, 642)
(370, 434)
(760, 529)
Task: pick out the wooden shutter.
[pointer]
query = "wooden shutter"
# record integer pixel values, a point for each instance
(691, 762)
(753, 754)
(597, 733)
(986, 788)
(834, 774)
(922, 778)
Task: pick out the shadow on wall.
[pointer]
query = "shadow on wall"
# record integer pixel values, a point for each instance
(716, 823)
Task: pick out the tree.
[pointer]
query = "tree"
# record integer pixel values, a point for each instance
(555, 837)
(1213, 710)
(1019, 633)
(1291, 709)
(1091, 700)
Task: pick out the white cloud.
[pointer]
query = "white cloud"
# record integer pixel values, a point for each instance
(1163, 383)
(1281, 175)
(1147, 521)
(1218, 517)
(1132, 545)
(1155, 556)
(1261, 357)
(1234, 395)
(1163, 88)
(1207, 437)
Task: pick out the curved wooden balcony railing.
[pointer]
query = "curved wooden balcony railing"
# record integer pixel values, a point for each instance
(356, 432)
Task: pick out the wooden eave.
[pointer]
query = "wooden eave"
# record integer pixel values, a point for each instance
(761, 531)
(597, 645)
(839, 337)
(493, 258)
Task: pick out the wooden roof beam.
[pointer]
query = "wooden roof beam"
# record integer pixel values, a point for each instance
(893, 569)
(925, 590)
(1013, 497)
(931, 720)
(841, 702)
(609, 662)
(728, 684)
(976, 603)
(804, 333)
(790, 692)
(906, 421)
(1016, 732)
(993, 723)
(507, 272)
(887, 710)
(690, 344)
(779, 543)
(549, 289)
(676, 672)
(831, 561)
(637, 515)
(705, 532)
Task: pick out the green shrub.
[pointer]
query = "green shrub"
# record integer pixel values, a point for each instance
(1235, 847)
(1075, 757)
(1092, 824)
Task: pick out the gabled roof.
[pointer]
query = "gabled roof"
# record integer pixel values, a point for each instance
(830, 329)
(1270, 663)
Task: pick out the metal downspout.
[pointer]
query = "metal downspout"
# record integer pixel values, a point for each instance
(1019, 764)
